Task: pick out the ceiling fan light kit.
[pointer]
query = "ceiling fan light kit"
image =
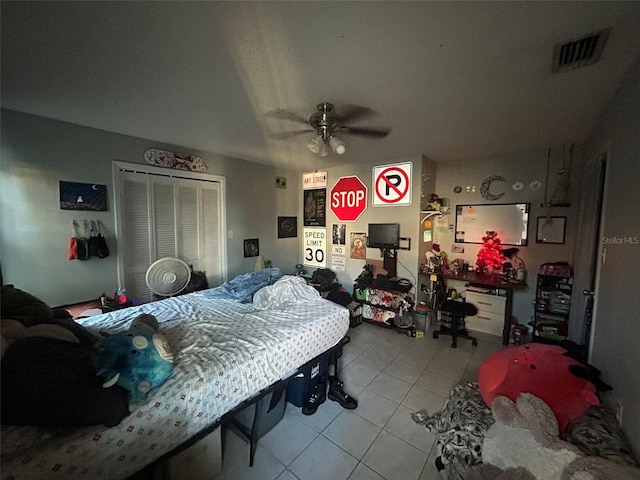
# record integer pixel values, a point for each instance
(337, 145)
(325, 122)
(314, 144)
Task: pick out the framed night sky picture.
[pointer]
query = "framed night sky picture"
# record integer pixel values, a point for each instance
(83, 196)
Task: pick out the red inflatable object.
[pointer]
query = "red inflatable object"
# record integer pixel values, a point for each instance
(542, 370)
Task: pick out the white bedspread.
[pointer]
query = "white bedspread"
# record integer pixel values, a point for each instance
(225, 353)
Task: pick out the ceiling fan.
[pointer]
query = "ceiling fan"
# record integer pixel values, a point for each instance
(326, 123)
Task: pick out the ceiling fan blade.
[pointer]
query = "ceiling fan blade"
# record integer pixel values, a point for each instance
(281, 114)
(365, 132)
(293, 133)
(351, 113)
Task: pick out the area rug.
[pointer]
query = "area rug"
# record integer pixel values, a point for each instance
(460, 428)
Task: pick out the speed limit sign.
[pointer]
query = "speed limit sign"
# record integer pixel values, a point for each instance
(314, 250)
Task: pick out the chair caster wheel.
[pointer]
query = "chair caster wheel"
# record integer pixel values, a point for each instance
(474, 343)
(435, 335)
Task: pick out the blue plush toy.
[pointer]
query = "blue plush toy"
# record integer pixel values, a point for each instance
(138, 360)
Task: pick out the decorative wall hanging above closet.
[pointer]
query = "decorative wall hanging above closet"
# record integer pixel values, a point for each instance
(179, 161)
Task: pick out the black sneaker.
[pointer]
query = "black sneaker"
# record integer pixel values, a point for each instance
(337, 394)
(317, 398)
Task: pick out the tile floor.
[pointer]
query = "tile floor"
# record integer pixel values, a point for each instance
(391, 375)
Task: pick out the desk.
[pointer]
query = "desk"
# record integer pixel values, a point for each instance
(499, 286)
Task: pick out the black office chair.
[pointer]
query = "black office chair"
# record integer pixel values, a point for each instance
(457, 310)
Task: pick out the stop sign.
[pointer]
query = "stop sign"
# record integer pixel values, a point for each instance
(348, 198)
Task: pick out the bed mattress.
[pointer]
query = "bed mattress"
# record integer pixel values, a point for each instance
(225, 352)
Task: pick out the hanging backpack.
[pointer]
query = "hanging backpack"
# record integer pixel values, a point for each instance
(73, 241)
(101, 242)
(83, 241)
(93, 236)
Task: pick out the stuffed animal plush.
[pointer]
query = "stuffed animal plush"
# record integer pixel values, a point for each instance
(525, 436)
(138, 360)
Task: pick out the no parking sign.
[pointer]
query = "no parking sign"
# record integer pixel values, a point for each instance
(392, 185)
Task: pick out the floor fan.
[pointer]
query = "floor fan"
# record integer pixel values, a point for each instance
(168, 276)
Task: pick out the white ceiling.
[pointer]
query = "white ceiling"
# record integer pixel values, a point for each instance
(450, 79)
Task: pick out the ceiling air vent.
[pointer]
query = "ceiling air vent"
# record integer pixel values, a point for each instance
(579, 53)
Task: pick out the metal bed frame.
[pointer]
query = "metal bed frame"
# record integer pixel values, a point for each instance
(251, 434)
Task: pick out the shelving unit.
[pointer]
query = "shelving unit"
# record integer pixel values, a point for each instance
(395, 306)
(552, 306)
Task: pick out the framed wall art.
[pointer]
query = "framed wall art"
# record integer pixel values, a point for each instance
(551, 229)
(83, 196)
(287, 227)
(251, 247)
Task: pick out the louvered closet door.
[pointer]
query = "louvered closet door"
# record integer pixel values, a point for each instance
(169, 217)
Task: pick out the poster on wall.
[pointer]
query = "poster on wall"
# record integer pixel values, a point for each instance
(83, 196)
(339, 234)
(358, 247)
(314, 248)
(338, 257)
(315, 207)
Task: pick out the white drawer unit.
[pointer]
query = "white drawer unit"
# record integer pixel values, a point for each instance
(491, 313)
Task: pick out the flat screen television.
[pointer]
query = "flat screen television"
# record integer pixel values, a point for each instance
(384, 235)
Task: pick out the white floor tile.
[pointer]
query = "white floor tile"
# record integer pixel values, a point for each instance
(430, 471)
(390, 387)
(352, 433)
(265, 466)
(394, 458)
(418, 354)
(447, 368)
(402, 426)
(359, 373)
(377, 358)
(407, 371)
(287, 475)
(456, 356)
(323, 416)
(375, 408)
(288, 439)
(421, 399)
(323, 460)
(362, 472)
(436, 383)
(391, 375)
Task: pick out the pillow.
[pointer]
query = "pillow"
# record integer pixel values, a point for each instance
(49, 382)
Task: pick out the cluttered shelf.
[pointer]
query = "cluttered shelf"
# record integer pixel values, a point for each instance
(385, 307)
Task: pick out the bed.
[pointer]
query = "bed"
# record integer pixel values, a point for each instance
(226, 353)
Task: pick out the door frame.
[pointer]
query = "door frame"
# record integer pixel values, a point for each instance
(599, 253)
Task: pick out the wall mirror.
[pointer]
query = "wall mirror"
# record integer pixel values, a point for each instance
(509, 220)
